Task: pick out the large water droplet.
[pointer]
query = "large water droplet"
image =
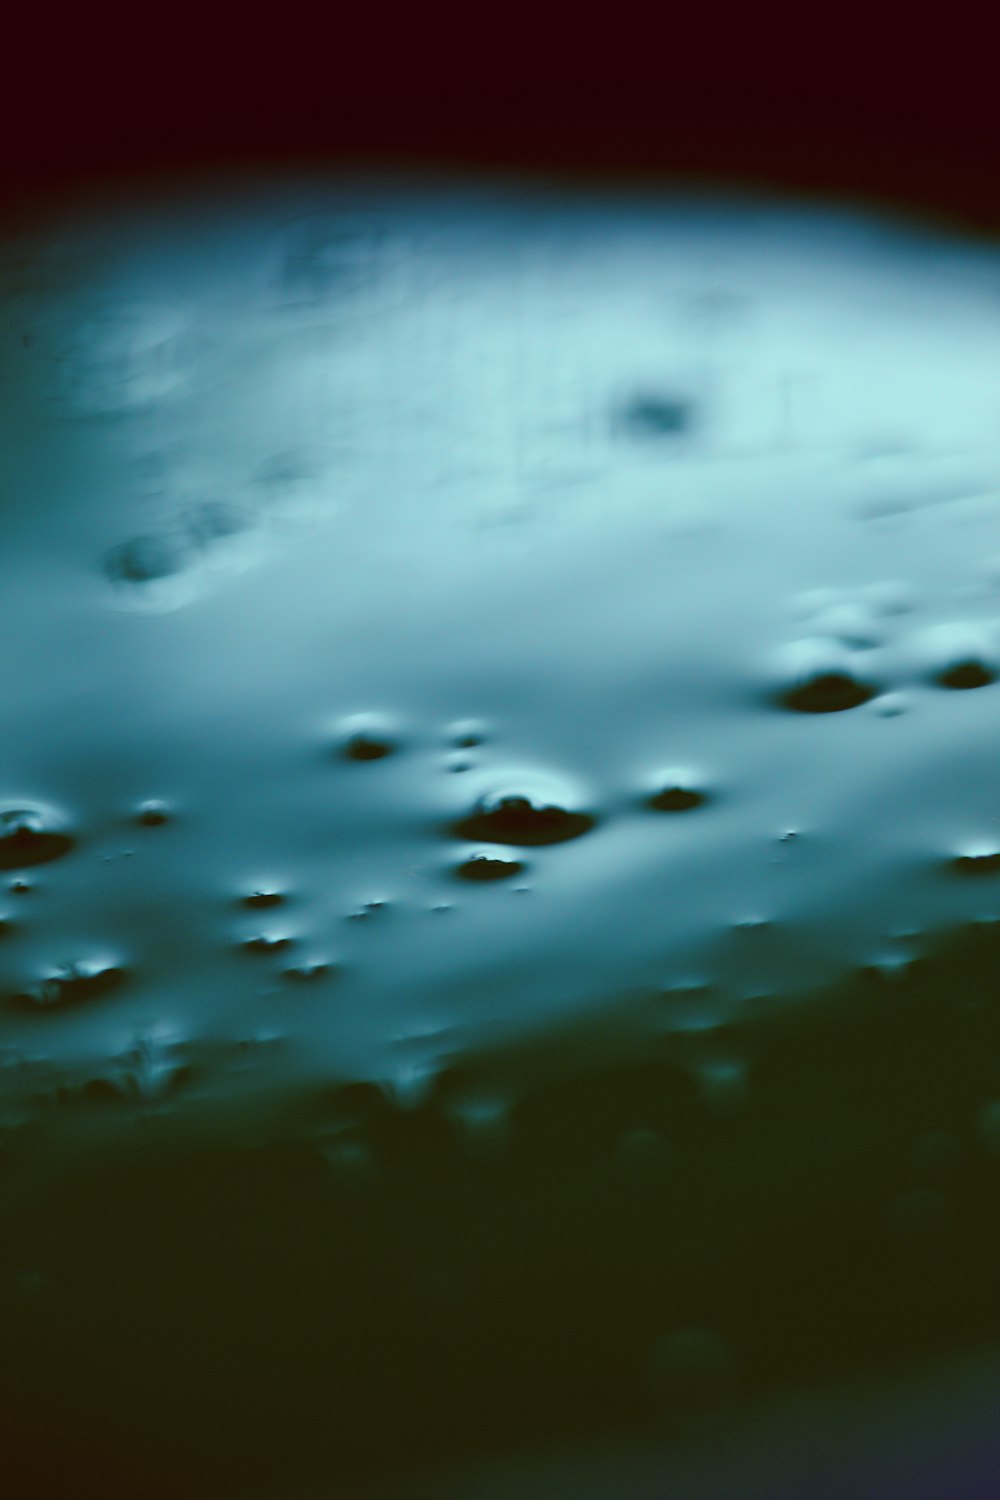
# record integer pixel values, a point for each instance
(982, 861)
(524, 816)
(71, 984)
(31, 836)
(822, 679)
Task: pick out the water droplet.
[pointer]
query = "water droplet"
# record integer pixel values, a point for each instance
(960, 656)
(890, 598)
(677, 793)
(523, 816)
(153, 814)
(969, 673)
(267, 942)
(71, 984)
(31, 836)
(116, 358)
(367, 738)
(891, 705)
(468, 734)
(151, 572)
(849, 624)
(309, 972)
(263, 898)
(982, 861)
(485, 866)
(147, 558)
(820, 679)
(367, 910)
(296, 485)
(651, 415)
(693, 1006)
(214, 521)
(153, 1070)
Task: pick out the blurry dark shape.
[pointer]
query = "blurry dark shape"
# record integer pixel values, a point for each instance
(153, 814)
(967, 674)
(147, 558)
(263, 899)
(510, 818)
(488, 867)
(367, 747)
(27, 838)
(213, 521)
(266, 942)
(828, 693)
(985, 862)
(648, 415)
(69, 985)
(330, 258)
(308, 973)
(676, 798)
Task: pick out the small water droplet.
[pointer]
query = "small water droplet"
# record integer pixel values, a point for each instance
(262, 898)
(365, 738)
(267, 942)
(296, 486)
(153, 814)
(468, 734)
(214, 521)
(309, 972)
(960, 656)
(483, 866)
(677, 793)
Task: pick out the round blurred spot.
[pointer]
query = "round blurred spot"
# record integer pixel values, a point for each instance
(485, 867)
(31, 836)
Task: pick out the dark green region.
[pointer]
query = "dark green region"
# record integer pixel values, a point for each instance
(221, 1321)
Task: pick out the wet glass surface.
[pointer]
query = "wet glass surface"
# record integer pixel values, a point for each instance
(498, 820)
